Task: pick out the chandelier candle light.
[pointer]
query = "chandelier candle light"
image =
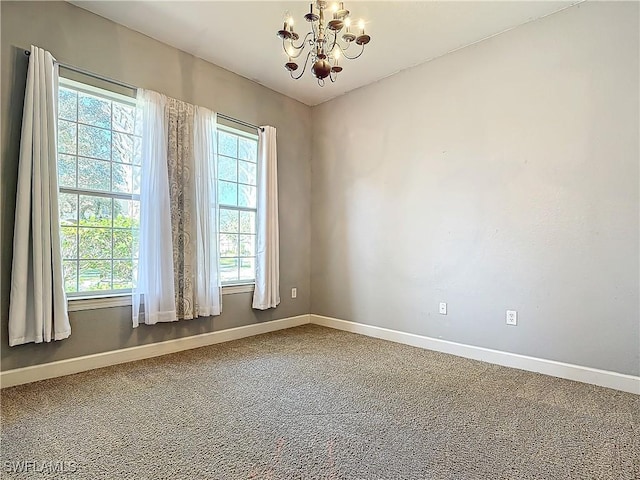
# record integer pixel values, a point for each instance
(326, 45)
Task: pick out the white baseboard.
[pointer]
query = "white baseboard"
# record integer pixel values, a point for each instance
(43, 371)
(618, 381)
(603, 378)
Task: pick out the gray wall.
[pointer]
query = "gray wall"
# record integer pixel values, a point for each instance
(502, 176)
(85, 40)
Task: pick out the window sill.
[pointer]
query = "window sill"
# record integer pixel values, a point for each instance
(233, 289)
(77, 304)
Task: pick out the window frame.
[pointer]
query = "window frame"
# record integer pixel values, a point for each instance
(91, 299)
(240, 285)
(99, 299)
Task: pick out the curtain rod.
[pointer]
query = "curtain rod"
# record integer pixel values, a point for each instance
(91, 74)
(240, 122)
(126, 85)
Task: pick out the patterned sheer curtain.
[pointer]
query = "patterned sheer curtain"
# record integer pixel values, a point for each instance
(191, 165)
(187, 149)
(181, 189)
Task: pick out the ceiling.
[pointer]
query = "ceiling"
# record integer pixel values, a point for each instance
(241, 36)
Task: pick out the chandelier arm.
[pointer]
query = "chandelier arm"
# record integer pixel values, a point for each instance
(304, 68)
(298, 50)
(335, 41)
(351, 58)
(302, 44)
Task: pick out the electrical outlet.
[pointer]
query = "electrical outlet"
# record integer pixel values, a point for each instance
(512, 317)
(294, 292)
(443, 308)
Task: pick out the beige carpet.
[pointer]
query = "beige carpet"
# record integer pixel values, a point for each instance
(316, 403)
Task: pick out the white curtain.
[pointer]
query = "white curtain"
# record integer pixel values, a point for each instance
(154, 283)
(38, 306)
(267, 290)
(207, 253)
(178, 261)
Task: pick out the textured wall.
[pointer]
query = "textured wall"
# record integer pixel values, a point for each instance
(502, 176)
(88, 41)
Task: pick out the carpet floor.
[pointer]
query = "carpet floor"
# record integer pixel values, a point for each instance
(316, 403)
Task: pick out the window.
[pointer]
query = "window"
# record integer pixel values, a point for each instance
(237, 180)
(99, 179)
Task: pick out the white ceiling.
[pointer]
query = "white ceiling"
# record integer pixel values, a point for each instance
(241, 36)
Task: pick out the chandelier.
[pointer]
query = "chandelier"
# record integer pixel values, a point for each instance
(328, 41)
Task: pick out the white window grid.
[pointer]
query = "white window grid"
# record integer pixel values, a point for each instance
(79, 192)
(239, 281)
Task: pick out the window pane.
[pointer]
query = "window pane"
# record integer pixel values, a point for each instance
(247, 245)
(95, 243)
(227, 168)
(67, 104)
(95, 211)
(227, 193)
(94, 174)
(228, 245)
(68, 205)
(70, 272)
(66, 171)
(247, 222)
(135, 249)
(126, 213)
(137, 177)
(228, 269)
(122, 274)
(122, 244)
(247, 269)
(247, 173)
(228, 221)
(137, 150)
(94, 275)
(94, 142)
(67, 137)
(122, 178)
(246, 196)
(98, 153)
(248, 149)
(126, 216)
(94, 111)
(123, 117)
(122, 147)
(69, 241)
(227, 144)
(135, 272)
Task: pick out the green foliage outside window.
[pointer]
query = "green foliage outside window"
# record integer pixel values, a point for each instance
(98, 152)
